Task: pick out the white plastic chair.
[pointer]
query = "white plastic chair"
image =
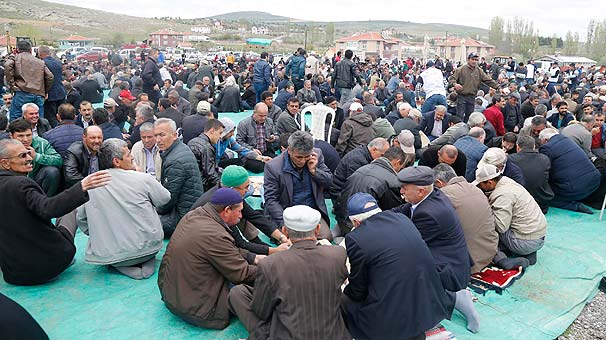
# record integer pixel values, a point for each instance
(603, 206)
(318, 120)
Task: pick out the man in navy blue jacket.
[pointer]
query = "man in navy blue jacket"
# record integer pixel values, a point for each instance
(261, 75)
(56, 95)
(390, 263)
(440, 227)
(572, 176)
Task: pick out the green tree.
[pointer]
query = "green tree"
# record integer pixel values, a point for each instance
(117, 40)
(496, 32)
(571, 44)
(554, 43)
(522, 37)
(330, 33)
(27, 30)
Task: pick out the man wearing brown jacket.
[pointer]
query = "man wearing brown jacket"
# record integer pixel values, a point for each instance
(202, 261)
(466, 81)
(28, 78)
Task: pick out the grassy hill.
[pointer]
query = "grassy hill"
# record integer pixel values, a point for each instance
(250, 16)
(50, 21)
(46, 21)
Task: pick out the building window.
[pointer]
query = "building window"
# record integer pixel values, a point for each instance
(479, 49)
(452, 52)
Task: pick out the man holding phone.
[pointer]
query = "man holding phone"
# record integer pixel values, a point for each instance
(257, 133)
(298, 177)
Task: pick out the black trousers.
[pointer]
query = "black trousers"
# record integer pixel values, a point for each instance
(50, 111)
(17, 323)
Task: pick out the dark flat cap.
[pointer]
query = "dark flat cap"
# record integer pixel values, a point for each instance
(418, 175)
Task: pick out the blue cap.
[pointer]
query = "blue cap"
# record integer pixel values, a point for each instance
(226, 196)
(358, 203)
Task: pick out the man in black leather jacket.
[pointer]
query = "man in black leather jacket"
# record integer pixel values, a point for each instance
(80, 159)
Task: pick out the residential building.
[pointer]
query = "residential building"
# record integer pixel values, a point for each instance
(167, 38)
(457, 49)
(200, 29)
(371, 44)
(76, 41)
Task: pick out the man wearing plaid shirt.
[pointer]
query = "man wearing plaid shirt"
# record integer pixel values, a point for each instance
(257, 132)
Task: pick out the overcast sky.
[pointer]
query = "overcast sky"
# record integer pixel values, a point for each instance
(553, 16)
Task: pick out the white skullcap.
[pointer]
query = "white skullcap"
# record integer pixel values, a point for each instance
(301, 218)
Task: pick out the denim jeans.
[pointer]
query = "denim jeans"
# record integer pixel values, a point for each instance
(431, 102)
(259, 89)
(20, 98)
(346, 95)
(465, 106)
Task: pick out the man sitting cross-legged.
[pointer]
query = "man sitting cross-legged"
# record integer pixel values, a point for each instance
(297, 292)
(124, 229)
(519, 220)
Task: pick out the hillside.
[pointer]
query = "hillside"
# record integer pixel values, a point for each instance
(250, 16)
(47, 21)
(348, 27)
(51, 21)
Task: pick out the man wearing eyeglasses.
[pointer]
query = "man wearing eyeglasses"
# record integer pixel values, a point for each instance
(33, 250)
(46, 162)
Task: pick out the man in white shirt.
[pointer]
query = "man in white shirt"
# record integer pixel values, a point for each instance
(433, 85)
(530, 68)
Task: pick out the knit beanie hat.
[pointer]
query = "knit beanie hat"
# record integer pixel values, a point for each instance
(226, 196)
(233, 176)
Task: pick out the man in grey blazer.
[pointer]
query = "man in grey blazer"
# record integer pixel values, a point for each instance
(297, 293)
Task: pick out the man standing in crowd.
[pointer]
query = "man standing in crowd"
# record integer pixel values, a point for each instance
(28, 77)
(466, 81)
(295, 70)
(345, 77)
(433, 85)
(261, 76)
(56, 94)
(152, 80)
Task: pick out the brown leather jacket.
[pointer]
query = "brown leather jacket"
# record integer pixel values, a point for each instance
(26, 73)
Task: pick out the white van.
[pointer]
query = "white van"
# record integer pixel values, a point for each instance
(73, 51)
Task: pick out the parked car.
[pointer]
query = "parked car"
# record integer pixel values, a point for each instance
(104, 51)
(91, 56)
(73, 52)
